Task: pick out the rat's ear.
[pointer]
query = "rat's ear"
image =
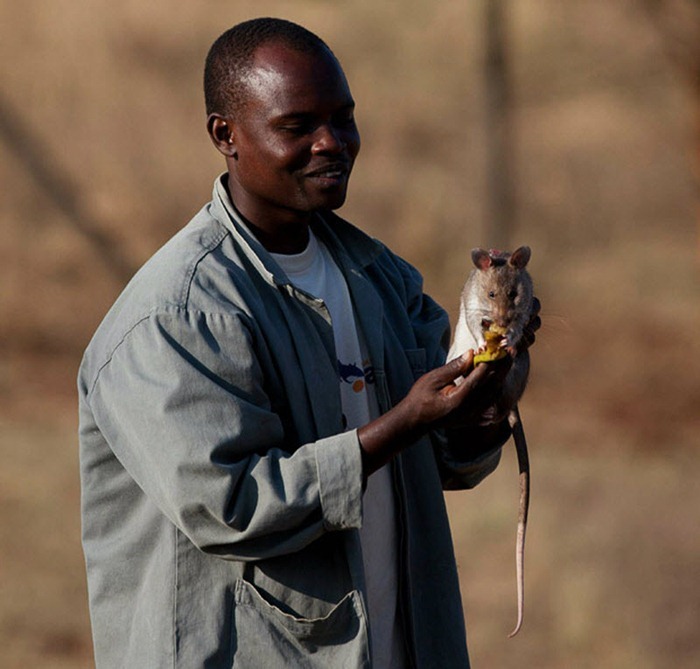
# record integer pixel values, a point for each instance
(481, 258)
(520, 257)
(221, 132)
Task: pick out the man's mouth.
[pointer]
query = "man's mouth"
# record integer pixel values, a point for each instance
(330, 174)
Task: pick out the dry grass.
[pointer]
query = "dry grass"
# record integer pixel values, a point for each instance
(610, 573)
(605, 200)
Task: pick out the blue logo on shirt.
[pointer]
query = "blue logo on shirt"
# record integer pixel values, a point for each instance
(356, 376)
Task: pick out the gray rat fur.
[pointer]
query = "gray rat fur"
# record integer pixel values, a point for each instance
(499, 290)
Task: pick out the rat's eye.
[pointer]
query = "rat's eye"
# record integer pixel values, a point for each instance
(492, 294)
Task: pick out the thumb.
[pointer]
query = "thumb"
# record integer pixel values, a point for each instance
(459, 366)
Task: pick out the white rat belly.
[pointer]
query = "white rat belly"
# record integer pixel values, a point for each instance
(463, 339)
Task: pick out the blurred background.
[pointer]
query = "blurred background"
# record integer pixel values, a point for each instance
(573, 127)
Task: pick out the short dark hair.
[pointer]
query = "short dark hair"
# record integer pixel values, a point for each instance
(231, 57)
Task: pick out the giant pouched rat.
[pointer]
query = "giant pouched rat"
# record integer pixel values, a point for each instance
(499, 292)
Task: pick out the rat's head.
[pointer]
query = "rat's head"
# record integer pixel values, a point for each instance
(504, 285)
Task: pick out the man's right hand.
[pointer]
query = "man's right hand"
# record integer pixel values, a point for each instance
(453, 395)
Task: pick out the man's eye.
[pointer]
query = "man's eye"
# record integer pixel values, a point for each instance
(297, 129)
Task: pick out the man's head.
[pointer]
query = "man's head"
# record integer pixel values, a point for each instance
(230, 59)
(282, 114)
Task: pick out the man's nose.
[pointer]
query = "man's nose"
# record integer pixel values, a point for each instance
(328, 140)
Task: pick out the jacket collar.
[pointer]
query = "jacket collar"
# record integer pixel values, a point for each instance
(344, 240)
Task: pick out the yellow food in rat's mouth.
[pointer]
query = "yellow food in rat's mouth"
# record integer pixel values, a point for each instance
(494, 351)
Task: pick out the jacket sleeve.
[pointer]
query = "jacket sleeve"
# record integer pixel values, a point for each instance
(454, 449)
(181, 403)
(459, 469)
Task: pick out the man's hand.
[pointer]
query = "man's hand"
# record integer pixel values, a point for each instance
(472, 413)
(453, 395)
(447, 392)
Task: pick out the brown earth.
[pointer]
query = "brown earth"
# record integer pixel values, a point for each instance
(605, 199)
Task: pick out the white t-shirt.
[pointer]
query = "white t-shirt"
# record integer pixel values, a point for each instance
(315, 272)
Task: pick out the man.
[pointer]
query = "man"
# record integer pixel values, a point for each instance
(263, 445)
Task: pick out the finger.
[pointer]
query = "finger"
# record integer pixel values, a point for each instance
(527, 339)
(455, 368)
(534, 324)
(468, 359)
(472, 381)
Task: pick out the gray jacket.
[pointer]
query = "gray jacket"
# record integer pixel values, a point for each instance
(220, 496)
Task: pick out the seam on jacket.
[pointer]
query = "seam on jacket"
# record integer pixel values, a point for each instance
(165, 309)
(114, 350)
(207, 250)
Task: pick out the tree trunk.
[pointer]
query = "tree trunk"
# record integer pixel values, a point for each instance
(500, 179)
(50, 181)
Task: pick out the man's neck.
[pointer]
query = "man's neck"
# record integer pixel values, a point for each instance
(278, 236)
(286, 238)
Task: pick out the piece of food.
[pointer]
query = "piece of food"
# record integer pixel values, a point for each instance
(494, 350)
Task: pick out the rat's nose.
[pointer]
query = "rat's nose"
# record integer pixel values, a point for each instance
(503, 319)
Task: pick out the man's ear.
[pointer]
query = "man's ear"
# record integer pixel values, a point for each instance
(221, 132)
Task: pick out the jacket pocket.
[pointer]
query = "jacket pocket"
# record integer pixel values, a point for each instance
(265, 636)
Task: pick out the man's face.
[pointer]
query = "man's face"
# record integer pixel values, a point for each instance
(295, 141)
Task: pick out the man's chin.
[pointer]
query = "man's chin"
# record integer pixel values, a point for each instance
(332, 202)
